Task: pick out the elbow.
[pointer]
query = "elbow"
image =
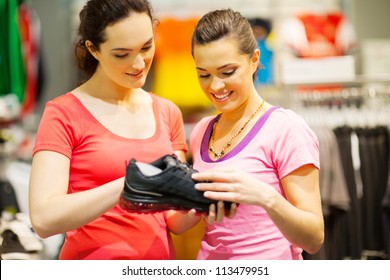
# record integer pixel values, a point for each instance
(40, 231)
(41, 227)
(42, 234)
(314, 248)
(179, 223)
(316, 243)
(178, 229)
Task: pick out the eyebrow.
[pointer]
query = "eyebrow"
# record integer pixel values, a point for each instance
(126, 49)
(219, 68)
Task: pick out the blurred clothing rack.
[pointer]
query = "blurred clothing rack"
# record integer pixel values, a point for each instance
(352, 122)
(345, 93)
(367, 105)
(358, 81)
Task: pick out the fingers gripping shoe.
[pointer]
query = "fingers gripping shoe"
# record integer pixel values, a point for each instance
(164, 184)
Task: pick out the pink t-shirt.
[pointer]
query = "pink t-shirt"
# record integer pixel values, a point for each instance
(279, 143)
(97, 156)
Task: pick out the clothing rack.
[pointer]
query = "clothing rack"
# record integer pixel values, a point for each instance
(343, 93)
(366, 106)
(358, 119)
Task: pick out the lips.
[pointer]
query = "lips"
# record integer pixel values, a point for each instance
(136, 74)
(221, 96)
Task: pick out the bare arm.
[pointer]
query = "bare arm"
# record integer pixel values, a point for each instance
(299, 217)
(52, 210)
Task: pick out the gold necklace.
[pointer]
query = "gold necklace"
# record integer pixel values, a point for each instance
(222, 152)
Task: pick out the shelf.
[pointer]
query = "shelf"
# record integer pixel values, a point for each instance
(358, 81)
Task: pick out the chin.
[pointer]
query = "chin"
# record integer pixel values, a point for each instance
(137, 83)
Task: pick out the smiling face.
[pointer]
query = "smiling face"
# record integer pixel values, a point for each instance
(126, 56)
(225, 74)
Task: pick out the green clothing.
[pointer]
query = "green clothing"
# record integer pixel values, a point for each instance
(12, 70)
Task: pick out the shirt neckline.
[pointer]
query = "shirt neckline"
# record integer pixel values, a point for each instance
(91, 116)
(240, 146)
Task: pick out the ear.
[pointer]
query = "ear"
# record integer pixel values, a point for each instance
(92, 50)
(256, 59)
(155, 23)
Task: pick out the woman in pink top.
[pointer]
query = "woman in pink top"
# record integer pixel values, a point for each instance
(88, 135)
(262, 157)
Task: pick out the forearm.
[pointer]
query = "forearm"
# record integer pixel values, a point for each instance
(304, 229)
(62, 213)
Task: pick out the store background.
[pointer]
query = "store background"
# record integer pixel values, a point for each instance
(371, 81)
(59, 20)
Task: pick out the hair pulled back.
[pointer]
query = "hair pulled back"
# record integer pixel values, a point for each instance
(223, 23)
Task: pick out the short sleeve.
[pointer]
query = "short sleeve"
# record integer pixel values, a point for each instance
(296, 144)
(177, 130)
(173, 119)
(55, 131)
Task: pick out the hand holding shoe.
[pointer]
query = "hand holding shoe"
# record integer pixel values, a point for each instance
(218, 213)
(165, 184)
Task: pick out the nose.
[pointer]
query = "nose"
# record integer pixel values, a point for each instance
(216, 84)
(138, 62)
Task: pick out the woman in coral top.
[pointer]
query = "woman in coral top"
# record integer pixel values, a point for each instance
(264, 158)
(87, 136)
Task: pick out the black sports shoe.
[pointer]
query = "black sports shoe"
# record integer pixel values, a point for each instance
(164, 184)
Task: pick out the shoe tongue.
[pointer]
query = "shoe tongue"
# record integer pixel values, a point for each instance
(170, 161)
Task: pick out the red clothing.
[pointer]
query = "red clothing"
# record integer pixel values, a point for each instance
(315, 35)
(97, 156)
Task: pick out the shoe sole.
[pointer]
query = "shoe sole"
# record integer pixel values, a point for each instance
(146, 204)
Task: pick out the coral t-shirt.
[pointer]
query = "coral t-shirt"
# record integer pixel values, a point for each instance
(279, 143)
(98, 156)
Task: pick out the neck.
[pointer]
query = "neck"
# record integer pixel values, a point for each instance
(109, 91)
(218, 154)
(241, 113)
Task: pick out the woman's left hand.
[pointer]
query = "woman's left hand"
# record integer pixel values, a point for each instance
(217, 212)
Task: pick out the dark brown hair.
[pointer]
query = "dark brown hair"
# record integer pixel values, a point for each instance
(95, 16)
(223, 23)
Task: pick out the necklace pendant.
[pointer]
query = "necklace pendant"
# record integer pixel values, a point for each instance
(215, 153)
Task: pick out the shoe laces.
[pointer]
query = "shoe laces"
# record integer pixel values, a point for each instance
(184, 166)
(180, 166)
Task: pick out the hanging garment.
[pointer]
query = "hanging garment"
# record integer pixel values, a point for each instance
(29, 26)
(12, 76)
(174, 72)
(334, 195)
(312, 35)
(386, 205)
(373, 143)
(352, 237)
